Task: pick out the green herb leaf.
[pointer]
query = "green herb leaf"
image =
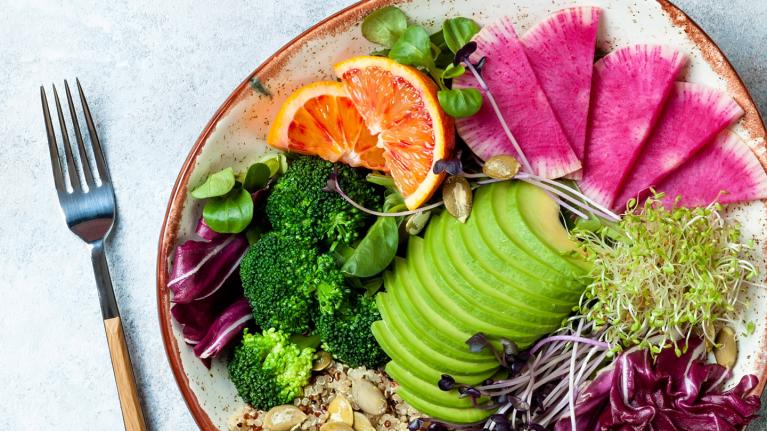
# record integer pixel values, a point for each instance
(445, 57)
(381, 180)
(376, 250)
(393, 202)
(413, 48)
(372, 285)
(384, 26)
(380, 53)
(458, 32)
(459, 103)
(231, 213)
(277, 163)
(453, 71)
(257, 177)
(217, 184)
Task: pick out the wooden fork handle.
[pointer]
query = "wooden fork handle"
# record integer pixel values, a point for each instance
(133, 418)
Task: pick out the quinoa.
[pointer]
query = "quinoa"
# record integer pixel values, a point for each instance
(336, 379)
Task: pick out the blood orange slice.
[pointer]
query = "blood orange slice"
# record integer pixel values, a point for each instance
(319, 119)
(399, 105)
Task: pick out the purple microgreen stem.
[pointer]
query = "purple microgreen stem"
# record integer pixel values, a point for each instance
(334, 186)
(570, 338)
(596, 207)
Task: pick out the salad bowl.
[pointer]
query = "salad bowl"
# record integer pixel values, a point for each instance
(236, 136)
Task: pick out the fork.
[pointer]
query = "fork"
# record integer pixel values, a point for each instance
(89, 210)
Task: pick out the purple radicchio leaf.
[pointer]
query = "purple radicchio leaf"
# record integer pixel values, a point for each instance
(668, 394)
(227, 326)
(200, 268)
(205, 232)
(196, 317)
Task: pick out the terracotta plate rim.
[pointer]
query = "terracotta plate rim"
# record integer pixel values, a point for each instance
(169, 229)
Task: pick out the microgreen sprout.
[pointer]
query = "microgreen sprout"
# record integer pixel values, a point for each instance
(669, 273)
(542, 381)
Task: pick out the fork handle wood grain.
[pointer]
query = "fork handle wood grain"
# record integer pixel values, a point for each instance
(133, 417)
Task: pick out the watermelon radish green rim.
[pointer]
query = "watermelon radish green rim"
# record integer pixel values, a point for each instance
(245, 115)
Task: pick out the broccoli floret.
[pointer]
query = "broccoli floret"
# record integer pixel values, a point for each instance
(283, 278)
(299, 207)
(268, 370)
(345, 332)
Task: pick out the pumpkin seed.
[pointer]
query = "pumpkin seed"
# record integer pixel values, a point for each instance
(369, 398)
(362, 423)
(416, 222)
(340, 410)
(726, 347)
(336, 426)
(283, 418)
(458, 199)
(502, 167)
(323, 361)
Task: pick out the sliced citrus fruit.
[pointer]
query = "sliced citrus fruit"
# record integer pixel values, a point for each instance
(319, 119)
(399, 105)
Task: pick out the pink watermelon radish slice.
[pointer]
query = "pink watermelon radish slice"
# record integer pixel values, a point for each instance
(692, 117)
(522, 102)
(561, 51)
(629, 89)
(726, 171)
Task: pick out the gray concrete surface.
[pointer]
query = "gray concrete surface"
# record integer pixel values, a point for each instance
(155, 72)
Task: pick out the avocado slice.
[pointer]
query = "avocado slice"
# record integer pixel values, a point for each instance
(449, 326)
(504, 258)
(394, 348)
(505, 202)
(454, 304)
(519, 308)
(423, 328)
(538, 209)
(449, 414)
(436, 359)
(423, 389)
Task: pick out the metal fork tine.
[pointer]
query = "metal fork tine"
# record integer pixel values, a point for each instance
(79, 137)
(58, 177)
(98, 155)
(74, 178)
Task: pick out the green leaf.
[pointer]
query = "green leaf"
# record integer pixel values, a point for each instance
(453, 71)
(372, 285)
(277, 163)
(381, 180)
(231, 213)
(217, 184)
(458, 32)
(380, 53)
(375, 251)
(459, 103)
(413, 48)
(445, 56)
(257, 177)
(393, 202)
(384, 26)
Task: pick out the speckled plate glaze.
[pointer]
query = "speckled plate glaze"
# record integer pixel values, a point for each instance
(235, 136)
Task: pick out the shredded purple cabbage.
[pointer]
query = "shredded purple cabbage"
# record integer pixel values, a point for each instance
(674, 393)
